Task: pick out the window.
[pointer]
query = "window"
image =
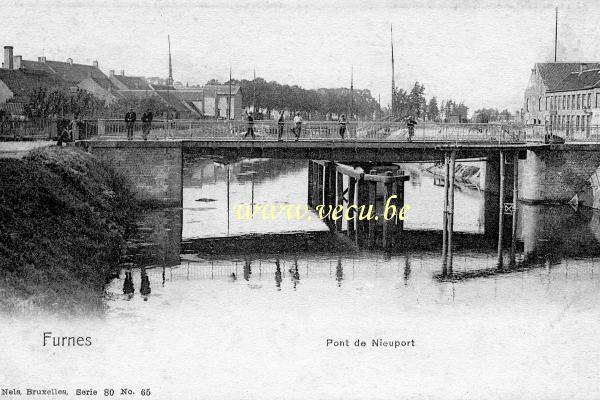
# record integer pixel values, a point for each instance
(597, 100)
(589, 102)
(527, 105)
(577, 123)
(578, 101)
(563, 101)
(547, 99)
(540, 104)
(572, 102)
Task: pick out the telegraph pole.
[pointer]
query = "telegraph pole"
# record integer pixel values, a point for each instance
(351, 93)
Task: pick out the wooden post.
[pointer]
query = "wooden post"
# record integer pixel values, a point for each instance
(372, 202)
(501, 208)
(399, 191)
(451, 210)
(316, 185)
(320, 197)
(388, 226)
(445, 217)
(340, 200)
(311, 191)
(362, 197)
(329, 190)
(513, 241)
(351, 213)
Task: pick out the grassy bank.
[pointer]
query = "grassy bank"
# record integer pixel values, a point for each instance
(64, 216)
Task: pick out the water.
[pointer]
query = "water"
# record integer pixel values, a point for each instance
(199, 332)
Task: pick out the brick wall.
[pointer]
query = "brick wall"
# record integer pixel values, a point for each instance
(154, 168)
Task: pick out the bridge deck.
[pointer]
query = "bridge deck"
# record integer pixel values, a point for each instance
(338, 150)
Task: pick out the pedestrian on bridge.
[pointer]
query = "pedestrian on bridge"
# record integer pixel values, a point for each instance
(130, 118)
(250, 130)
(342, 123)
(280, 125)
(146, 123)
(298, 125)
(410, 123)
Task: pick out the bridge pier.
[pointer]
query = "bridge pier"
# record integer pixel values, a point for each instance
(154, 168)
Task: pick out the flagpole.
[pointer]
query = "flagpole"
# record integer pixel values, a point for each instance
(555, 33)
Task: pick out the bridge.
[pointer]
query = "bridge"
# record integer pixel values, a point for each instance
(517, 169)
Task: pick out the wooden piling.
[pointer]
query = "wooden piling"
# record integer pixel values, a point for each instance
(513, 240)
(451, 210)
(372, 189)
(340, 200)
(388, 226)
(501, 208)
(398, 190)
(352, 215)
(320, 183)
(329, 191)
(311, 191)
(362, 199)
(445, 216)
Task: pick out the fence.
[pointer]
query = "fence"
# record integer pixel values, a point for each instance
(317, 130)
(46, 129)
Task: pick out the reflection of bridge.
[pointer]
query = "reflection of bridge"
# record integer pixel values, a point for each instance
(554, 173)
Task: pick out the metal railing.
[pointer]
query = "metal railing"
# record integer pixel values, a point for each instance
(567, 133)
(317, 130)
(46, 129)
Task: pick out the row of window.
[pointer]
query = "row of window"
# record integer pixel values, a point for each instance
(574, 122)
(571, 102)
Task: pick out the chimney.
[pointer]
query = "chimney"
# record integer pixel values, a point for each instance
(42, 59)
(111, 73)
(95, 63)
(17, 62)
(70, 61)
(122, 72)
(8, 57)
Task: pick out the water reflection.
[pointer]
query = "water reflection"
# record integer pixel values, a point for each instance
(548, 238)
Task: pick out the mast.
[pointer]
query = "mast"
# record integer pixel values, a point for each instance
(351, 93)
(393, 83)
(254, 93)
(170, 79)
(555, 33)
(229, 102)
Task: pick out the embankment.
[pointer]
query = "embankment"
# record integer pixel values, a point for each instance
(64, 217)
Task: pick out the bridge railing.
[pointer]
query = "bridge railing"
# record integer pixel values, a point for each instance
(571, 134)
(316, 130)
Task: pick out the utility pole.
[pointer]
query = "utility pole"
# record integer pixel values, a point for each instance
(393, 83)
(555, 33)
(170, 78)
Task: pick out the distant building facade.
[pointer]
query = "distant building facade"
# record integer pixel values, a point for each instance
(546, 77)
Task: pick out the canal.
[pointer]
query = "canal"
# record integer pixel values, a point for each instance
(249, 306)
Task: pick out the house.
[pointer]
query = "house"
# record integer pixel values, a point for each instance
(16, 85)
(574, 103)
(545, 77)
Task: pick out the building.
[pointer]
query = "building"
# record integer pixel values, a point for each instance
(546, 77)
(574, 103)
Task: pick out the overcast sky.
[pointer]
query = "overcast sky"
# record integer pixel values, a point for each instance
(480, 53)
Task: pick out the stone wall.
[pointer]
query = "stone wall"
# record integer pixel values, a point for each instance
(155, 168)
(554, 176)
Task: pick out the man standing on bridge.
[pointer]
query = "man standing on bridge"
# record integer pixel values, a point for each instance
(130, 118)
(250, 129)
(280, 126)
(146, 123)
(410, 123)
(298, 127)
(342, 124)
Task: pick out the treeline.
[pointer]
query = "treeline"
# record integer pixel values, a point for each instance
(413, 104)
(485, 115)
(318, 103)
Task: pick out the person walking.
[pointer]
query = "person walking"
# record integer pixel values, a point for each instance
(130, 118)
(146, 123)
(298, 125)
(342, 123)
(250, 130)
(280, 126)
(410, 123)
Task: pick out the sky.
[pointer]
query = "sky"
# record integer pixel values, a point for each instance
(479, 52)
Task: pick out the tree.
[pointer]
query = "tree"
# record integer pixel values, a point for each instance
(433, 112)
